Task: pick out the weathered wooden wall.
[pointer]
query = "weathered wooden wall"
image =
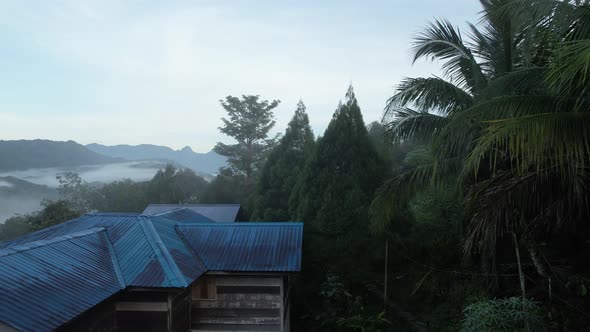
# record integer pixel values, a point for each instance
(99, 318)
(242, 303)
(142, 310)
(180, 312)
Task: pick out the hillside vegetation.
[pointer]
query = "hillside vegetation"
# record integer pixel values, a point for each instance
(26, 154)
(465, 209)
(207, 163)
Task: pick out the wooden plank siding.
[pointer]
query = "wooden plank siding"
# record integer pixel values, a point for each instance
(142, 310)
(240, 303)
(180, 313)
(100, 318)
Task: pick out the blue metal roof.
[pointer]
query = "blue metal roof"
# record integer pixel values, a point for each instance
(46, 283)
(190, 266)
(144, 260)
(216, 212)
(118, 224)
(247, 246)
(183, 215)
(52, 275)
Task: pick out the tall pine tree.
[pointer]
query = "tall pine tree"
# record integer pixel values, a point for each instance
(333, 195)
(282, 169)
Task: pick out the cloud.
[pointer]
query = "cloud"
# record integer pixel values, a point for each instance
(136, 72)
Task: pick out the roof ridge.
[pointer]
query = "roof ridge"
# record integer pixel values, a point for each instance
(41, 243)
(188, 245)
(126, 214)
(243, 224)
(161, 251)
(163, 215)
(115, 261)
(206, 204)
(170, 211)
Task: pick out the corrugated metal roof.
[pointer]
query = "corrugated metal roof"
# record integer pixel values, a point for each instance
(216, 212)
(46, 283)
(141, 259)
(183, 215)
(190, 265)
(117, 223)
(144, 260)
(50, 276)
(247, 246)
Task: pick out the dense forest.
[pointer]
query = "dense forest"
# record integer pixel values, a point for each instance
(465, 209)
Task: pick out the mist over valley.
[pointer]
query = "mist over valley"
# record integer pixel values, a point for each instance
(28, 168)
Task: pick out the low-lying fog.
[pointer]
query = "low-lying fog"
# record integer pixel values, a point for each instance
(5, 184)
(16, 199)
(134, 170)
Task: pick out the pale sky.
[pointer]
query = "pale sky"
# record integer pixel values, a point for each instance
(132, 72)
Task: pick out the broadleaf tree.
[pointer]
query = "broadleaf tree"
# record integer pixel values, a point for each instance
(249, 122)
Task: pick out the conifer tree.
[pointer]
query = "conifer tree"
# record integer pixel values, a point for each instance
(282, 169)
(335, 189)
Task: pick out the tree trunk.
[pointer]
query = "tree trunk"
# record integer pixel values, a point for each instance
(537, 261)
(521, 277)
(540, 265)
(385, 276)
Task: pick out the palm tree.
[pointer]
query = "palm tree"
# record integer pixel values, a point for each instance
(509, 122)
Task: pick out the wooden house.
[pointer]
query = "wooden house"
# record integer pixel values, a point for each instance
(173, 270)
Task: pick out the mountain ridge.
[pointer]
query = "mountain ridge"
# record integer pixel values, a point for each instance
(208, 162)
(42, 153)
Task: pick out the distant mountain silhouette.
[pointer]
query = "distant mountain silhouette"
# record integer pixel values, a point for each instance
(208, 163)
(25, 154)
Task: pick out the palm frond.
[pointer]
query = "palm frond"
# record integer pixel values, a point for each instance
(440, 40)
(433, 93)
(463, 130)
(581, 27)
(508, 106)
(538, 141)
(531, 203)
(407, 124)
(571, 69)
(567, 18)
(503, 39)
(394, 194)
(521, 81)
(482, 45)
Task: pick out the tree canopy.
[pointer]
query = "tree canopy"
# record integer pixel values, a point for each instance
(282, 169)
(249, 121)
(333, 193)
(508, 124)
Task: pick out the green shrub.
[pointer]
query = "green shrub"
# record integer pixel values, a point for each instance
(508, 314)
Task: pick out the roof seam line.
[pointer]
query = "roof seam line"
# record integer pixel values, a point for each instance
(41, 243)
(161, 251)
(188, 245)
